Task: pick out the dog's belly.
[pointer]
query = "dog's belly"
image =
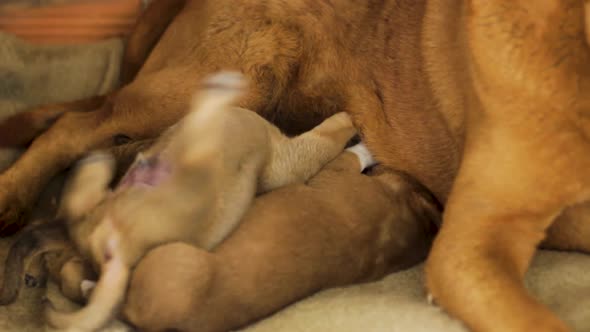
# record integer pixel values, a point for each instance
(404, 125)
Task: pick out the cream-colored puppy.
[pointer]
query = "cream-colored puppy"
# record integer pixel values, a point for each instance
(194, 185)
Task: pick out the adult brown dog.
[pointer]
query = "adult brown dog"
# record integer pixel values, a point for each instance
(485, 102)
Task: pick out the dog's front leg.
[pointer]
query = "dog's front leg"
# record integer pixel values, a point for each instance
(496, 215)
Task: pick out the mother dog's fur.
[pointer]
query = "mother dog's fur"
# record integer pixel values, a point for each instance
(484, 101)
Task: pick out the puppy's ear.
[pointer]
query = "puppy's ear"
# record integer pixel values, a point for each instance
(88, 185)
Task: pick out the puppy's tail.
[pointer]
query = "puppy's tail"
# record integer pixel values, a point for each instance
(105, 300)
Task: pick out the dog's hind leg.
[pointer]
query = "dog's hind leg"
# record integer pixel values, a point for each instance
(299, 158)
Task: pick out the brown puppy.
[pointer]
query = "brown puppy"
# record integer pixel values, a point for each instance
(339, 228)
(193, 185)
(485, 102)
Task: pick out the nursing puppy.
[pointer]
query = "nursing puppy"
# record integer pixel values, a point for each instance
(341, 227)
(193, 185)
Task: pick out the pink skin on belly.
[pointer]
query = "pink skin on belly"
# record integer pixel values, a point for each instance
(147, 172)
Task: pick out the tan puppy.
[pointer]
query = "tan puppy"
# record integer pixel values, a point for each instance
(484, 102)
(193, 185)
(293, 242)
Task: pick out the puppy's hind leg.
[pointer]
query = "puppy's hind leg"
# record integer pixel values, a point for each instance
(199, 134)
(299, 158)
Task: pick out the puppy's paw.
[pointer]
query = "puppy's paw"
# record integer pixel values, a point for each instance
(342, 119)
(224, 81)
(337, 122)
(86, 287)
(365, 157)
(219, 90)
